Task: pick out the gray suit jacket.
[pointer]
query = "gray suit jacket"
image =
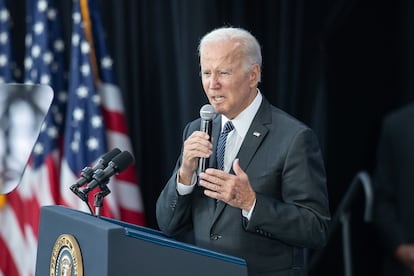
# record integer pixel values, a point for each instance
(286, 170)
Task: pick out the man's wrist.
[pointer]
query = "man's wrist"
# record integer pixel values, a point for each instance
(183, 189)
(183, 178)
(248, 213)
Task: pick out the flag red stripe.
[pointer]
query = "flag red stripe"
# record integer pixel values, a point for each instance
(26, 210)
(128, 175)
(114, 121)
(7, 264)
(132, 216)
(53, 177)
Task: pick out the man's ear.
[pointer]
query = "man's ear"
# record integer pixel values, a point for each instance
(254, 75)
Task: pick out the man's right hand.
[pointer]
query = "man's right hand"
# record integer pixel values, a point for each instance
(197, 145)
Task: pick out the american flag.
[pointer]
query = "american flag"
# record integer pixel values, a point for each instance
(95, 118)
(7, 266)
(126, 202)
(85, 121)
(43, 64)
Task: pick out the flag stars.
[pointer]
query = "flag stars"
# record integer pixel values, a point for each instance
(85, 47)
(3, 60)
(48, 57)
(75, 40)
(51, 14)
(52, 132)
(92, 143)
(59, 45)
(45, 79)
(28, 40)
(78, 114)
(106, 62)
(85, 69)
(4, 37)
(96, 99)
(58, 117)
(77, 17)
(4, 15)
(36, 51)
(28, 63)
(38, 28)
(38, 149)
(82, 92)
(96, 121)
(62, 96)
(42, 5)
(74, 145)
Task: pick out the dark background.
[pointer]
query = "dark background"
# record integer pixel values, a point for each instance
(338, 65)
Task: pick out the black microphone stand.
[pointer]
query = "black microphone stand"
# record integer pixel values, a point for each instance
(82, 195)
(99, 197)
(103, 180)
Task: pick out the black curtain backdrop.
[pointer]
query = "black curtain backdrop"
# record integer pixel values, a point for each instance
(337, 65)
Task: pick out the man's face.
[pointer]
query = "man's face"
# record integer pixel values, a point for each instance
(229, 86)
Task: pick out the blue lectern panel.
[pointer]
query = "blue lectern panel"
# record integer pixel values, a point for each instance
(110, 247)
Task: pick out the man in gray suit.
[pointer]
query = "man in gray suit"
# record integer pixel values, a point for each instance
(269, 202)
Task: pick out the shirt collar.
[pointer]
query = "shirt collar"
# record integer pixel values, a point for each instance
(244, 119)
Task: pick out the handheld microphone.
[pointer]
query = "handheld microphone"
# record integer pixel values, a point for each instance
(117, 165)
(87, 172)
(207, 114)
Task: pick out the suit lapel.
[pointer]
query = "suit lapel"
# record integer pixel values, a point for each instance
(254, 137)
(251, 143)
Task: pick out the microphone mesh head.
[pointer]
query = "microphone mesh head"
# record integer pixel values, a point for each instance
(122, 161)
(207, 112)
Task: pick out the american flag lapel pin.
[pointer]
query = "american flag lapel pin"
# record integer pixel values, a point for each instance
(257, 134)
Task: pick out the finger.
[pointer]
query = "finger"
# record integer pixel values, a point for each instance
(200, 134)
(236, 167)
(210, 180)
(216, 173)
(216, 189)
(198, 142)
(212, 194)
(198, 148)
(214, 176)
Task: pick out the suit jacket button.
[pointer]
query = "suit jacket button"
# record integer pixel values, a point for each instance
(214, 237)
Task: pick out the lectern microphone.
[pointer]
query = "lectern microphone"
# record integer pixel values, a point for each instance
(116, 165)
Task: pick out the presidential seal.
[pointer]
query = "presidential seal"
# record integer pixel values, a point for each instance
(66, 257)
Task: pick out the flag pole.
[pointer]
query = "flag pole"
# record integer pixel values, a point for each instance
(2, 201)
(88, 32)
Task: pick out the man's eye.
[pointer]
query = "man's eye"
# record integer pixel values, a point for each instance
(224, 73)
(206, 73)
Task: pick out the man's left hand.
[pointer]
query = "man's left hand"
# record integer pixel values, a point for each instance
(234, 190)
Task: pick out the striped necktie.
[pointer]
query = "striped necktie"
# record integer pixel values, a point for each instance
(221, 147)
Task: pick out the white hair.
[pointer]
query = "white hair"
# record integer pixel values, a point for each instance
(250, 48)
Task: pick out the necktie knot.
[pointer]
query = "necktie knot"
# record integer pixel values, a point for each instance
(227, 127)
